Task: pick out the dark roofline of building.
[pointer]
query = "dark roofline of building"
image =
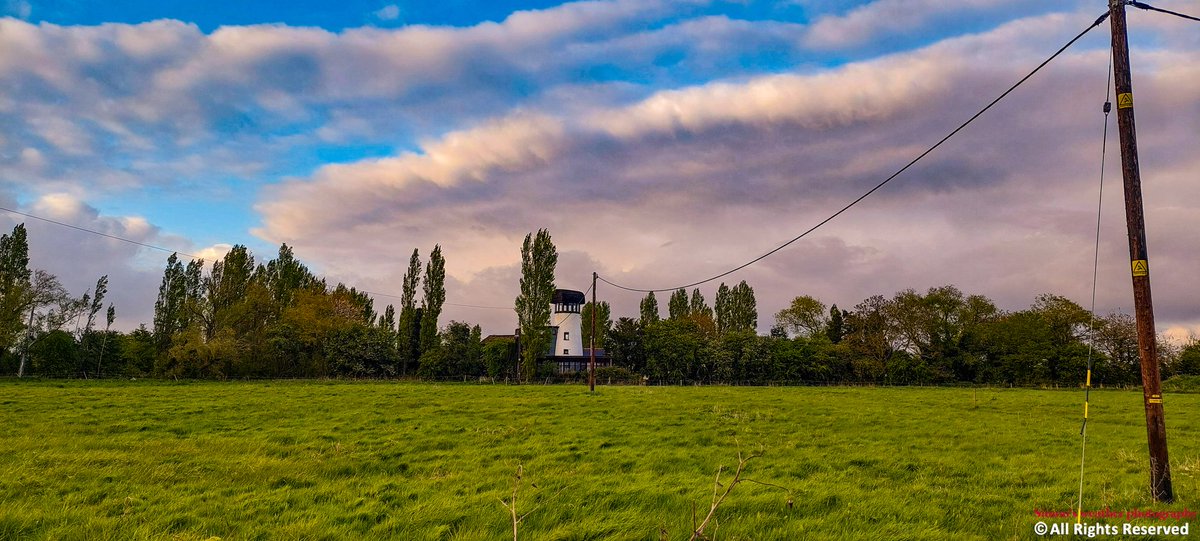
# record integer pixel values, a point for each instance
(568, 296)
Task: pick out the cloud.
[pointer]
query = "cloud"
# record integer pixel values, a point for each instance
(889, 21)
(20, 9)
(685, 183)
(136, 105)
(79, 258)
(389, 12)
(660, 142)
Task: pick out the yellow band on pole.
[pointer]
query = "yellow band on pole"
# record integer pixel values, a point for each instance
(1089, 377)
(1085, 408)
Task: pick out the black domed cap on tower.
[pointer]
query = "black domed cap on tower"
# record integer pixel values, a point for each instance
(568, 296)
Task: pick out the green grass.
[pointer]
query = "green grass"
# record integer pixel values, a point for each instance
(313, 460)
(1182, 384)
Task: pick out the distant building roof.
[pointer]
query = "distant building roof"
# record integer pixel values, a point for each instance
(567, 296)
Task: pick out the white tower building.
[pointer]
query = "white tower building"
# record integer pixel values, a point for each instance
(565, 321)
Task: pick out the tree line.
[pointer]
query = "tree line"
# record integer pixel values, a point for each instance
(941, 336)
(234, 318)
(41, 323)
(238, 318)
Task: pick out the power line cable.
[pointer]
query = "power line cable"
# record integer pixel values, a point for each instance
(739, 267)
(1149, 7)
(1087, 386)
(100, 233)
(878, 186)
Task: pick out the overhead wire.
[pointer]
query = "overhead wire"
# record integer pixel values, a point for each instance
(773, 251)
(100, 233)
(1148, 7)
(877, 186)
(1087, 386)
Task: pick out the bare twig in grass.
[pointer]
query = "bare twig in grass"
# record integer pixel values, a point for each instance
(719, 496)
(511, 504)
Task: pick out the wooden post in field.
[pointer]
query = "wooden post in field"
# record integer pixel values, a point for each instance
(1156, 428)
(592, 359)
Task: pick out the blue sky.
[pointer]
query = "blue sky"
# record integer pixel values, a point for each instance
(659, 141)
(329, 15)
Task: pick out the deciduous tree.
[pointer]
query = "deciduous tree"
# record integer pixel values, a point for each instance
(433, 299)
(538, 260)
(743, 309)
(408, 332)
(805, 317)
(649, 309)
(835, 328)
(626, 345)
(14, 285)
(603, 323)
(678, 306)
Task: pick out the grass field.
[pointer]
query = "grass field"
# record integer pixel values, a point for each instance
(316, 460)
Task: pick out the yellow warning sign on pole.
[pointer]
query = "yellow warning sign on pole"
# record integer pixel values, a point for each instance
(1125, 100)
(1141, 268)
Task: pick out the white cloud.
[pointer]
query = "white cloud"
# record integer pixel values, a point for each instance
(79, 258)
(389, 12)
(32, 158)
(213, 253)
(659, 145)
(883, 20)
(61, 206)
(687, 182)
(135, 101)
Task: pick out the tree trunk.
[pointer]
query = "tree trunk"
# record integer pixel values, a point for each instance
(25, 353)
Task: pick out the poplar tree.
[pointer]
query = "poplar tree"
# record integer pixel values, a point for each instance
(387, 321)
(14, 285)
(94, 305)
(538, 259)
(434, 298)
(284, 275)
(698, 307)
(649, 309)
(109, 317)
(723, 306)
(836, 326)
(678, 305)
(743, 308)
(193, 293)
(603, 323)
(97, 303)
(224, 288)
(409, 324)
(168, 307)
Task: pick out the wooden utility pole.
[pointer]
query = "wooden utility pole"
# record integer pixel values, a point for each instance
(592, 360)
(1156, 428)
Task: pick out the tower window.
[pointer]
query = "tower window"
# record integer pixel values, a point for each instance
(566, 352)
(566, 336)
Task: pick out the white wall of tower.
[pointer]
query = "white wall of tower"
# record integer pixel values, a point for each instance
(569, 341)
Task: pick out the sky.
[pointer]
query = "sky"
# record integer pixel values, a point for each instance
(660, 143)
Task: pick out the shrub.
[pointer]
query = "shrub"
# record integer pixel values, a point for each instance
(1182, 384)
(616, 374)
